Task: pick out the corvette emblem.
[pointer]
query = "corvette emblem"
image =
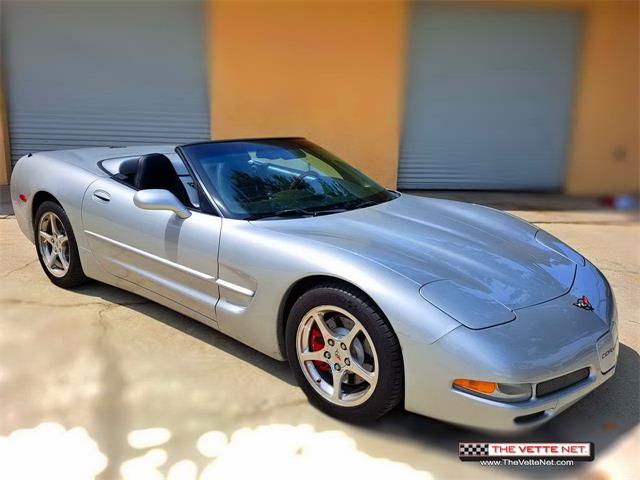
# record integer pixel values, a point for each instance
(584, 303)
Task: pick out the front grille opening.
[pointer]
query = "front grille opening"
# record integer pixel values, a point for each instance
(556, 384)
(532, 417)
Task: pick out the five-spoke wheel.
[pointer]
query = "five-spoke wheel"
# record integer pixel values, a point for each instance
(56, 246)
(337, 355)
(344, 353)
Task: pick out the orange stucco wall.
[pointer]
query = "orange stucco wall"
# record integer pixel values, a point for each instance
(5, 157)
(329, 71)
(333, 71)
(604, 155)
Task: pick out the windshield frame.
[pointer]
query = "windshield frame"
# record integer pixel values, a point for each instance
(200, 176)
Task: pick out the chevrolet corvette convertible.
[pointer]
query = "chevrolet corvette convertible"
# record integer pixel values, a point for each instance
(376, 298)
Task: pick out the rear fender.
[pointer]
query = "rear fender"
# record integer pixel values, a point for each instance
(66, 183)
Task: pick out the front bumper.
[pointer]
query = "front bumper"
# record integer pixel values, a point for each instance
(474, 412)
(545, 341)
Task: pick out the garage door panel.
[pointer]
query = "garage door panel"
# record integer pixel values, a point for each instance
(488, 99)
(104, 73)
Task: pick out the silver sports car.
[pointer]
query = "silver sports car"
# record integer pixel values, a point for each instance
(377, 299)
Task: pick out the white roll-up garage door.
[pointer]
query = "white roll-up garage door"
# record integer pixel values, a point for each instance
(100, 73)
(489, 96)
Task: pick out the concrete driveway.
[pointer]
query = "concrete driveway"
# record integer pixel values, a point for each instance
(157, 395)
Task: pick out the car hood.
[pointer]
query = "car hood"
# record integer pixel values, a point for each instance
(478, 248)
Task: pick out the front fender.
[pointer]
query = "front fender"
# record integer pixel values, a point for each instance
(265, 263)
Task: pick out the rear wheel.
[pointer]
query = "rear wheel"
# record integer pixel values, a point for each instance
(344, 353)
(56, 246)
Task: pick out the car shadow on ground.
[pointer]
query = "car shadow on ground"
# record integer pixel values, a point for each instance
(602, 417)
(191, 327)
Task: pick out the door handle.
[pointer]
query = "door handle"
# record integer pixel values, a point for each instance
(101, 196)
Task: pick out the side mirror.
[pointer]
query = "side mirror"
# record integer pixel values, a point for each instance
(156, 199)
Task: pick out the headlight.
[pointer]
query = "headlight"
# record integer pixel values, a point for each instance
(501, 392)
(473, 308)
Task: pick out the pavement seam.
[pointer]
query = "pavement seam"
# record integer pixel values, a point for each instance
(109, 305)
(31, 262)
(631, 272)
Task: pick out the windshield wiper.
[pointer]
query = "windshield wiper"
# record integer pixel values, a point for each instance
(289, 212)
(366, 203)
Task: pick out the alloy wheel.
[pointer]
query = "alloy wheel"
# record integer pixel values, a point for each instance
(337, 355)
(54, 244)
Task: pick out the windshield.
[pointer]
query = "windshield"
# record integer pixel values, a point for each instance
(256, 179)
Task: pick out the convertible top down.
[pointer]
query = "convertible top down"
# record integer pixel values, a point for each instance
(377, 299)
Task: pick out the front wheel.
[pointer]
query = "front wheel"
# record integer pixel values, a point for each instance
(56, 246)
(344, 354)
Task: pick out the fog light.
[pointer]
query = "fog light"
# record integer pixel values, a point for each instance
(502, 392)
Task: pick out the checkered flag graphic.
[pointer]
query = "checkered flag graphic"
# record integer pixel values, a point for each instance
(473, 449)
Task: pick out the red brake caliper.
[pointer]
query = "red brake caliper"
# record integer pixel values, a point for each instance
(316, 342)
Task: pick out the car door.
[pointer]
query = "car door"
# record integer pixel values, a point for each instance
(155, 249)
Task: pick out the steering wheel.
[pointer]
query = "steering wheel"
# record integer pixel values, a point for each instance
(298, 180)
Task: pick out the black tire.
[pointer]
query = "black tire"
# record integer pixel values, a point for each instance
(389, 389)
(75, 275)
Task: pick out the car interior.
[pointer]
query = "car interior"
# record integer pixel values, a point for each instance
(155, 170)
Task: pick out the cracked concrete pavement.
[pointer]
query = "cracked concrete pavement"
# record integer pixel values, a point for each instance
(113, 363)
